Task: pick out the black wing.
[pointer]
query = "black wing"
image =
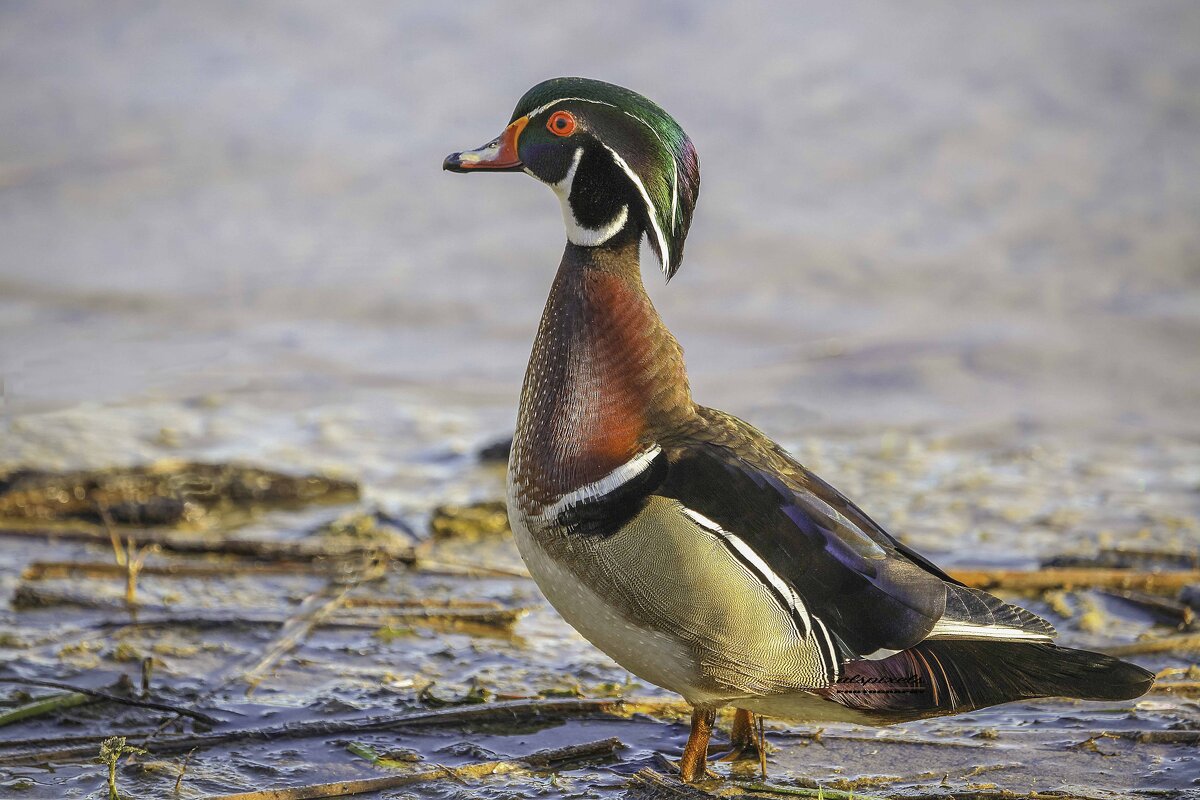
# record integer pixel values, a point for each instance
(865, 589)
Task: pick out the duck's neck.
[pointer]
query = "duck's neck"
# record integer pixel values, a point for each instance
(604, 378)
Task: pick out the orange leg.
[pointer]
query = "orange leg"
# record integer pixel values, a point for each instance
(743, 733)
(693, 764)
(746, 740)
(743, 737)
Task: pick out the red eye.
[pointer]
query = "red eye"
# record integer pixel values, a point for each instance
(561, 123)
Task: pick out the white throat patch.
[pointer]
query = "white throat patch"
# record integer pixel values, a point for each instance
(578, 234)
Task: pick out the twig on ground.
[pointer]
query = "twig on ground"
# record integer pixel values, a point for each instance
(1042, 579)
(557, 756)
(517, 711)
(1157, 737)
(425, 602)
(439, 613)
(822, 735)
(541, 760)
(994, 794)
(1185, 642)
(90, 739)
(1176, 687)
(114, 538)
(49, 570)
(115, 698)
(820, 792)
(44, 705)
(175, 542)
(1127, 558)
(646, 784)
(431, 612)
(444, 566)
(314, 610)
(183, 770)
(1170, 612)
(365, 785)
(135, 561)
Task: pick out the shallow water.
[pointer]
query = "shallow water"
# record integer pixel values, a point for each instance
(947, 255)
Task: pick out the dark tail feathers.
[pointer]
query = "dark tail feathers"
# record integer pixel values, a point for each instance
(949, 676)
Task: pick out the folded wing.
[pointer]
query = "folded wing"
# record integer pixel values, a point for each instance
(875, 595)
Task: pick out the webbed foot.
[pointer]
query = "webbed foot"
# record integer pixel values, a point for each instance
(743, 739)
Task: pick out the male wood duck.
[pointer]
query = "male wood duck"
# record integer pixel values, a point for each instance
(681, 541)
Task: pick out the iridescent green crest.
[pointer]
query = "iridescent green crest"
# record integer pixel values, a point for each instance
(647, 143)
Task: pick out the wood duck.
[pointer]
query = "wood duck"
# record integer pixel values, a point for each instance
(681, 541)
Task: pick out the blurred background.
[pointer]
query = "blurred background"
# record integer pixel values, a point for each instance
(222, 225)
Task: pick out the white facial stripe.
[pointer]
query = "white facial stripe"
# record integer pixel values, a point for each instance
(674, 171)
(651, 212)
(674, 195)
(664, 251)
(577, 233)
(553, 103)
(597, 489)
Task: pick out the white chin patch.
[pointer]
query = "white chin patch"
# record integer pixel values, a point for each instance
(578, 234)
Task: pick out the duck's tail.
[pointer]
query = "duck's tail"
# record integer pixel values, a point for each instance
(949, 676)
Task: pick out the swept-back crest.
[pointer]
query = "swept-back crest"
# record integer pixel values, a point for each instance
(661, 162)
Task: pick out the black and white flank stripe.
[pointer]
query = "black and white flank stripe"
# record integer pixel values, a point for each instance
(804, 624)
(603, 507)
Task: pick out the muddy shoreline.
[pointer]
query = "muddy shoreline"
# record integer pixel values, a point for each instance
(313, 628)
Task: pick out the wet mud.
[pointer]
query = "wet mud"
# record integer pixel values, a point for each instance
(360, 665)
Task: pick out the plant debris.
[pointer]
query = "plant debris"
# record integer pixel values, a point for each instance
(474, 521)
(167, 493)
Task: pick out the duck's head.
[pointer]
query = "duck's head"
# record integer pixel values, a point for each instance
(616, 160)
